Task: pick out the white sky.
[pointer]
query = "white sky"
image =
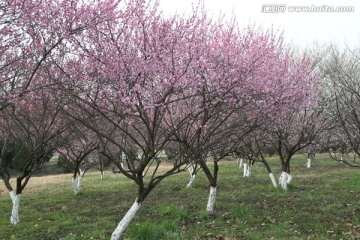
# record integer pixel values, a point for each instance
(301, 28)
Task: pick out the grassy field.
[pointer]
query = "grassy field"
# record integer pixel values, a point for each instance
(322, 203)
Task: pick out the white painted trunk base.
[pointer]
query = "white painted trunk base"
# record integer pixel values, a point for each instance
(125, 221)
(102, 175)
(190, 183)
(272, 177)
(15, 198)
(241, 162)
(284, 179)
(191, 170)
(76, 184)
(308, 163)
(247, 170)
(211, 201)
(81, 173)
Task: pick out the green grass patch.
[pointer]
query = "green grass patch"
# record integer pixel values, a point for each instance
(322, 203)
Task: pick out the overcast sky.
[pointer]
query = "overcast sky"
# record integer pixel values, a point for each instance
(301, 28)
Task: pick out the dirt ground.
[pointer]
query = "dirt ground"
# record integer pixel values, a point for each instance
(36, 183)
(39, 183)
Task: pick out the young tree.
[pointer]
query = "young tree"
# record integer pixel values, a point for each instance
(255, 148)
(102, 162)
(36, 126)
(78, 148)
(342, 72)
(292, 133)
(206, 146)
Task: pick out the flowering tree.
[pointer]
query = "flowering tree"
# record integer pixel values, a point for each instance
(77, 149)
(254, 148)
(297, 131)
(101, 161)
(300, 123)
(37, 130)
(158, 82)
(209, 138)
(141, 67)
(255, 76)
(142, 84)
(35, 38)
(35, 33)
(342, 71)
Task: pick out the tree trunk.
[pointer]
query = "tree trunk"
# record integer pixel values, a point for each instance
(309, 159)
(102, 174)
(241, 162)
(212, 182)
(211, 201)
(272, 177)
(284, 180)
(192, 178)
(125, 221)
(247, 170)
(192, 173)
(76, 184)
(308, 163)
(14, 219)
(76, 180)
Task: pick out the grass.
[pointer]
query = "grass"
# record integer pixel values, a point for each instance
(322, 203)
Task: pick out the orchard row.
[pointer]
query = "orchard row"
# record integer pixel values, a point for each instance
(117, 80)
